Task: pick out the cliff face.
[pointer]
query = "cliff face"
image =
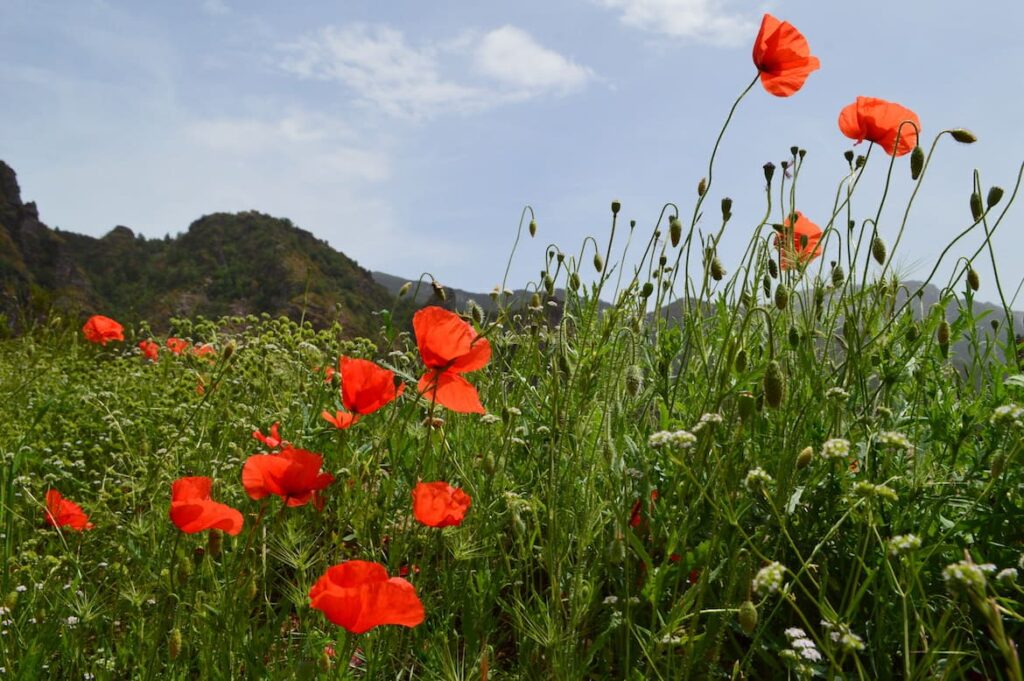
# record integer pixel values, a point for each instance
(224, 264)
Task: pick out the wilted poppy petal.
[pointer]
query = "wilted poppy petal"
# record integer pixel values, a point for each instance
(452, 391)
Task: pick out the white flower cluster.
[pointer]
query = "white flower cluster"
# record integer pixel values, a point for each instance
(841, 635)
(1008, 413)
(837, 394)
(869, 491)
(967, 574)
(836, 448)
(895, 439)
(769, 579)
(678, 439)
(707, 421)
(1007, 576)
(904, 543)
(757, 479)
(801, 654)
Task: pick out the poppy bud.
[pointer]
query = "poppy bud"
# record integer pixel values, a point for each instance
(634, 380)
(973, 280)
(439, 291)
(781, 297)
(489, 464)
(675, 230)
(476, 312)
(746, 404)
(740, 362)
(878, 250)
(726, 208)
(849, 329)
(963, 136)
(994, 323)
(769, 172)
(747, 616)
(745, 298)
(174, 643)
(916, 162)
(647, 290)
(549, 284)
(662, 261)
(229, 350)
(819, 295)
(533, 228)
(861, 160)
(774, 384)
(617, 550)
(324, 663)
(598, 262)
(977, 210)
(794, 337)
(615, 207)
(574, 281)
(838, 275)
(913, 333)
(942, 336)
(998, 462)
(803, 459)
(535, 301)
(995, 195)
(702, 186)
(717, 270)
(213, 543)
(773, 269)
(848, 155)
(766, 284)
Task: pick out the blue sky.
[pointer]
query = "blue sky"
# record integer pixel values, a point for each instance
(410, 134)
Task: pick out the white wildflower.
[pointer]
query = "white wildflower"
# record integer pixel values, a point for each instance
(769, 579)
(836, 448)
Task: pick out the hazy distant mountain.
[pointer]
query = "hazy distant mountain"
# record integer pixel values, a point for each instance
(224, 264)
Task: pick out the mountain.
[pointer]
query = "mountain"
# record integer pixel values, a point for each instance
(224, 264)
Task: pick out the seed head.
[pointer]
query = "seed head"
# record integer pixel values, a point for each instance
(848, 155)
(726, 208)
(616, 206)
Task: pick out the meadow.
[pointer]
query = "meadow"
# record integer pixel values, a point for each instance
(769, 468)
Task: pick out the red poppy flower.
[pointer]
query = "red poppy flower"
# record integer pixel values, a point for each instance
(329, 373)
(204, 350)
(63, 513)
(783, 57)
(636, 516)
(358, 595)
(365, 388)
(293, 474)
(273, 439)
(449, 347)
(438, 504)
(102, 330)
(192, 509)
(806, 238)
(177, 345)
(150, 350)
(879, 121)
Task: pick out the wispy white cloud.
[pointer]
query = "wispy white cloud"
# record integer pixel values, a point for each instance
(704, 21)
(383, 70)
(215, 7)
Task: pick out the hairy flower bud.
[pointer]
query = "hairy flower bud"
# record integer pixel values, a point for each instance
(574, 281)
(977, 209)
(973, 280)
(781, 297)
(717, 270)
(794, 337)
(702, 186)
(942, 336)
(174, 643)
(634, 380)
(747, 616)
(726, 208)
(439, 291)
(647, 290)
(741, 360)
(878, 250)
(803, 459)
(746, 404)
(774, 385)
(675, 230)
(995, 195)
(773, 268)
(766, 284)
(838, 275)
(533, 228)
(598, 262)
(963, 136)
(916, 162)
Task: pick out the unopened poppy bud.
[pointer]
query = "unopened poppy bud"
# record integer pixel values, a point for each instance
(916, 162)
(860, 161)
(647, 290)
(598, 262)
(746, 404)
(549, 284)
(702, 186)
(747, 616)
(819, 295)
(766, 284)
(476, 312)
(324, 663)
(994, 323)
(803, 459)
(774, 384)
(617, 550)
(213, 543)
(533, 228)
(942, 335)
(977, 210)
(634, 380)
(535, 301)
(973, 280)
(675, 230)
(773, 269)
(963, 136)
(717, 270)
(174, 643)
(726, 208)
(229, 350)
(995, 195)
(616, 206)
(405, 289)
(878, 250)
(838, 275)
(574, 281)
(489, 464)
(794, 337)
(781, 297)
(769, 172)
(184, 571)
(439, 291)
(998, 462)
(913, 332)
(740, 363)
(848, 155)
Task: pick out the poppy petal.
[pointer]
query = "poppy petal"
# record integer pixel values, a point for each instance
(452, 391)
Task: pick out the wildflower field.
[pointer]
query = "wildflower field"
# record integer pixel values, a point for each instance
(769, 468)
